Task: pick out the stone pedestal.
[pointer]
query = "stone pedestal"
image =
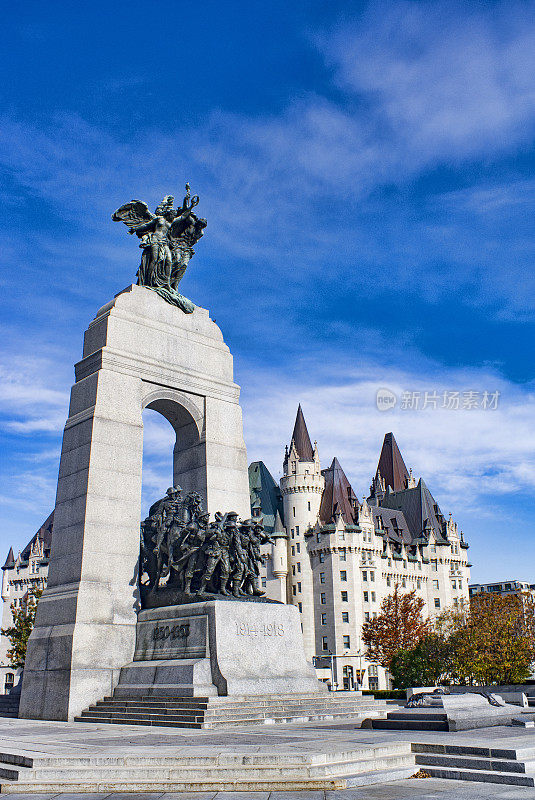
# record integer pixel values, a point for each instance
(221, 647)
(139, 352)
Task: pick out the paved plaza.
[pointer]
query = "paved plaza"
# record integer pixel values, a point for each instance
(93, 742)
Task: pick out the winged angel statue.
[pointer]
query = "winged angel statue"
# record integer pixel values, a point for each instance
(166, 238)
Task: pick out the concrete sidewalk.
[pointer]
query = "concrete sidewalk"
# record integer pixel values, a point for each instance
(426, 789)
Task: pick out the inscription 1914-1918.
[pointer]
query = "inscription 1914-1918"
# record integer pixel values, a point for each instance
(162, 632)
(265, 629)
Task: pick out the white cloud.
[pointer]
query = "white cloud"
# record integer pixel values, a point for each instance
(449, 80)
(465, 456)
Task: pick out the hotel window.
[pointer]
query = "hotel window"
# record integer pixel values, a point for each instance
(455, 602)
(264, 583)
(367, 616)
(372, 576)
(318, 537)
(365, 576)
(437, 602)
(293, 569)
(347, 642)
(344, 597)
(322, 558)
(309, 505)
(297, 531)
(453, 585)
(324, 619)
(324, 645)
(292, 532)
(299, 566)
(323, 600)
(373, 597)
(418, 584)
(459, 584)
(404, 583)
(343, 575)
(365, 597)
(434, 566)
(435, 584)
(345, 616)
(298, 587)
(294, 511)
(342, 536)
(420, 565)
(293, 550)
(322, 577)
(342, 555)
(300, 606)
(298, 547)
(389, 581)
(294, 590)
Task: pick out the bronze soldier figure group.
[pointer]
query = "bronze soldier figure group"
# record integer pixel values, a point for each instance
(196, 556)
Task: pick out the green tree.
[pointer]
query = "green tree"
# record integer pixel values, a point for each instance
(19, 633)
(399, 626)
(426, 664)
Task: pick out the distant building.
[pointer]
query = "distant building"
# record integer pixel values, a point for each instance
(29, 570)
(505, 587)
(336, 558)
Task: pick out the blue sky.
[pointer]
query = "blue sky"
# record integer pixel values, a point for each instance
(368, 175)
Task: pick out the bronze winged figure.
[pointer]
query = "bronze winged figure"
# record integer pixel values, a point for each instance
(166, 239)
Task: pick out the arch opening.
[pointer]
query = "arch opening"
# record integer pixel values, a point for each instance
(188, 448)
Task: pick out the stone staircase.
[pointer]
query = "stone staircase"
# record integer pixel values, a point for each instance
(201, 772)
(412, 720)
(481, 764)
(9, 705)
(217, 712)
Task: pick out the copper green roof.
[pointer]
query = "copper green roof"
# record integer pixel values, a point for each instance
(265, 494)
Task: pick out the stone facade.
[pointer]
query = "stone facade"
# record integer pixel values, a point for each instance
(20, 574)
(343, 556)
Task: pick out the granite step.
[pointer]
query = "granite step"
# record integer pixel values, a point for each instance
(480, 764)
(195, 773)
(222, 772)
(408, 725)
(481, 776)
(222, 711)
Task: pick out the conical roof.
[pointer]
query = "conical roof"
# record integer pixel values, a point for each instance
(338, 497)
(391, 465)
(419, 509)
(301, 439)
(10, 560)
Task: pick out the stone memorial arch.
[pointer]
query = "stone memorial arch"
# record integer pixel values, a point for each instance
(139, 352)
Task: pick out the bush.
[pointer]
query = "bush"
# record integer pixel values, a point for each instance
(386, 694)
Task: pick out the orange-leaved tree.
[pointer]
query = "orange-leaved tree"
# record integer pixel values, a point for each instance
(398, 626)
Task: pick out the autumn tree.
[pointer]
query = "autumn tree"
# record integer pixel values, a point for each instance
(398, 626)
(19, 633)
(495, 643)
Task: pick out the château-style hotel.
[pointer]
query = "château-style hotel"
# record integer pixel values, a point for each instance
(336, 558)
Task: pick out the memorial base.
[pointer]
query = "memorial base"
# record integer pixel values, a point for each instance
(224, 648)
